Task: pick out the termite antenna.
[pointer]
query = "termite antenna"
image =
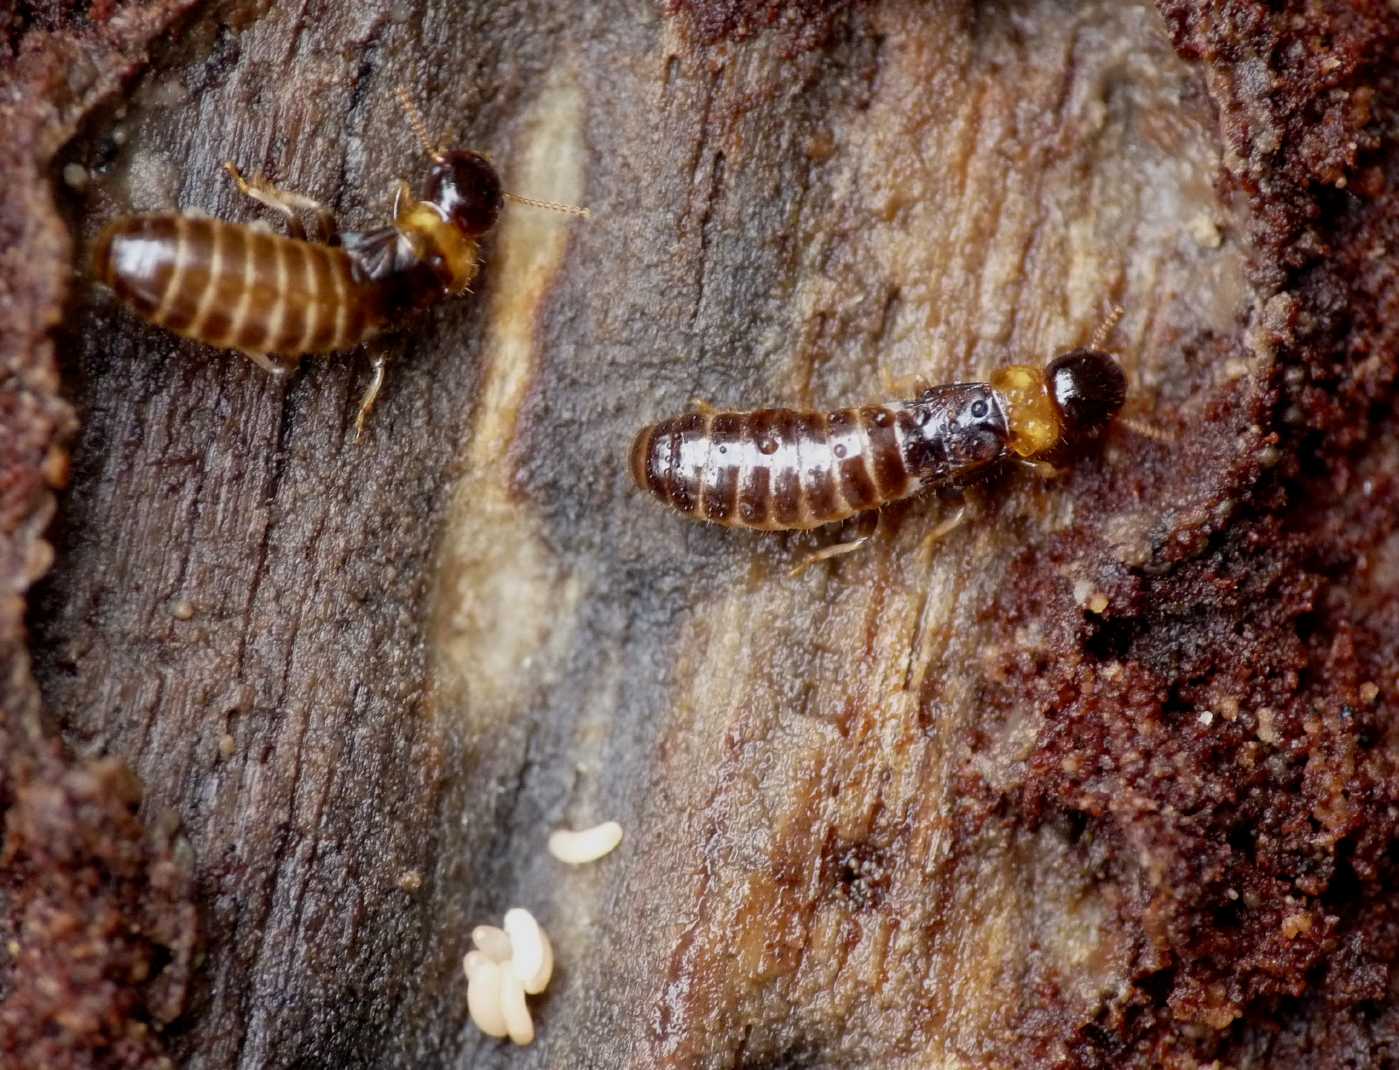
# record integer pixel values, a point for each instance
(553, 206)
(1105, 328)
(1146, 430)
(1136, 426)
(415, 120)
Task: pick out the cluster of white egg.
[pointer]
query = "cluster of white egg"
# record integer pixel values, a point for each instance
(507, 964)
(516, 959)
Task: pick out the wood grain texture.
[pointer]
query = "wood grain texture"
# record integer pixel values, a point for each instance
(1100, 778)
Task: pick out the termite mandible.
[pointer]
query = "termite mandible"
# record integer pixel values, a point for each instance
(235, 286)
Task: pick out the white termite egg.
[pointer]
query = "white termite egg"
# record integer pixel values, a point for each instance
(483, 992)
(586, 845)
(518, 1023)
(533, 959)
(493, 942)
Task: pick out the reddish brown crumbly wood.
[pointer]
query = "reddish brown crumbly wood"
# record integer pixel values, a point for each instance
(96, 909)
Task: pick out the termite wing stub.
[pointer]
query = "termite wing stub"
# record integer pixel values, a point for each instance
(1109, 762)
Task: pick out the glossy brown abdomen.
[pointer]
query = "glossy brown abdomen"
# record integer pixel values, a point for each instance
(236, 286)
(776, 469)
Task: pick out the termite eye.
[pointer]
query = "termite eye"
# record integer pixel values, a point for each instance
(978, 410)
(1088, 388)
(466, 188)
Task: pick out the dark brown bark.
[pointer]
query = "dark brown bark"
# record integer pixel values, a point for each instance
(1104, 777)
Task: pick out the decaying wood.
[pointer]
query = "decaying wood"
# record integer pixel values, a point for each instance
(1103, 777)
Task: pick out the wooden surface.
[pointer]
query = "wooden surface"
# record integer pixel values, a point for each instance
(920, 807)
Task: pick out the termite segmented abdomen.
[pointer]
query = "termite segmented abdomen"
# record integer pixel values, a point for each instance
(236, 286)
(777, 469)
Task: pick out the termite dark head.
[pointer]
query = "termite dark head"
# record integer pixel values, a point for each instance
(1088, 389)
(466, 189)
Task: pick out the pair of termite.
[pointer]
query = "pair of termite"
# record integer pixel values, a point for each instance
(238, 287)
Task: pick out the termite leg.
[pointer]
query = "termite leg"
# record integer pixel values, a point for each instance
(268, 197)
(901, 388)
(703, 407)
(288, 203)
(402, 197)
(267, 364)
(944, 527)
(371, 394)
(1043, 469)
(869, 522)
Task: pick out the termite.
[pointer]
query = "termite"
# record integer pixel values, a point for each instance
(235, 286)
(789, 469)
